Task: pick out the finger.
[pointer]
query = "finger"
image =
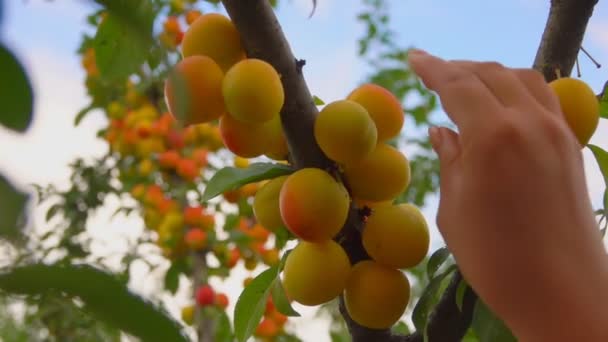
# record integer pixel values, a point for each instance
(466, 100)
(503, 82)
(538, 87)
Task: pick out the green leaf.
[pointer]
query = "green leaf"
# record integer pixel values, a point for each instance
(251, 304)
(12, 204)
(460, 291)
(317, 100)
(124, 39)
(400, 328)
(279, 298)
(601, 156)
(604, 103)
(172, 276)
(436, 260)
(16, 93)
(82, 113)
(102, 294)
(52, 211)
(223, 330)
(429, 299)
(488, 327)
(230, 178)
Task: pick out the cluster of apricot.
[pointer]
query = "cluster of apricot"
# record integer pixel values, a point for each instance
(216, 81)
(205, 296)
(272, 324)
(314, 205)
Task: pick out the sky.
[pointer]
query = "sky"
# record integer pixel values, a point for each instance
(45, 36)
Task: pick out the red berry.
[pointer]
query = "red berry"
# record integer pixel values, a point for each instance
(205, 295)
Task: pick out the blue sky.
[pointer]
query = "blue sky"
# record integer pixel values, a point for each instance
(46, 35)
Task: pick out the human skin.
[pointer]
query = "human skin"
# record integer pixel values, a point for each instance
(514, 207)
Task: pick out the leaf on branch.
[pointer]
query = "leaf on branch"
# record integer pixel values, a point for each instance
(604, 102)
(223, 330)
(317, 100)
(436, 260)
(601, 156)
(429, 299)
(279, 298)
(488, 327)
(124, 38)
(82, 113)
(172, 276)
(460, 291)
(103, 295)
(12, 205)
(16, 93)
(400, 328)
(251, 304)
(231, 178)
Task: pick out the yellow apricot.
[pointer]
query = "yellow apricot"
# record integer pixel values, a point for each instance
(380, 176)
(315, 273)
(579, 105)
(384, 108)
(266, 204)
(345, 131)
(246, 140)
(313, 204)
(278, 148)
(396, 235)
(193, 90)
(376, 296)
(253, 91)
(214, 35)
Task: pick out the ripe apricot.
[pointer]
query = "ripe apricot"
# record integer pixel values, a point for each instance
(205, 295)
(267, 328)
(169, 159)
(246, 140)
(277, 149)
(313, 204)
(196, 239)
(221, 300)
(253, 91)
(315, 273)
(376, 295)
(266, 204)
(396, 235)
(187, 169)
(193, 90)
(380, 176)
(345, 131)
(214, 35)
(579, 106)
(383, 107)
(193, 215)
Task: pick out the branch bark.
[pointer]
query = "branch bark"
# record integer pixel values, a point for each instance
(263, 38)
(563, 36)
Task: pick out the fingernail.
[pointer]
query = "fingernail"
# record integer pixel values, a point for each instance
(435, 138)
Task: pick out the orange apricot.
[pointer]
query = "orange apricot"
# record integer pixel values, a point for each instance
(214, 35)
(313, 205)
(345, 131)
(383, 107)
(253, 91)
(380, 176)
(315, 273)
(246, 140)
(266, 204)
(193, 90)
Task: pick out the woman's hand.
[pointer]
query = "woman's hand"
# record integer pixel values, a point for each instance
(514, 207)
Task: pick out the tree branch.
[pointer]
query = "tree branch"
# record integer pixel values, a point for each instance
(563, 36)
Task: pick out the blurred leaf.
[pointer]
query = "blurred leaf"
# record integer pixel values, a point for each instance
(460, 291)
(340, 336)
(102, 294)
(82, 113)
(16, 93)
(231, 221)
(172, 276)
(436, 260)
(400, 328)
(124, 38)
(12, 205)
(601, 156)
(317, 101)
(429, 299)
(230, 178)
(223, 330)
(251, 304)
(488, 327)
(604, 102)
(279, 298)
(52, 211)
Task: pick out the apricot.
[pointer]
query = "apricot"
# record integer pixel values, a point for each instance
(193, 90)
(267, 328)
(376, 296)
(221, 300)
(383, 107)
(193, 215)
(253, 91)
(396, 235)
(315, 273)
(313, 204)
(277, 149)
(187, 169)
(266, 204)
(579, 105)
(345, 131)
(246, 140)
(214, 35)
(188, 314)
(380, 176)
(169, 159)
(196, 239)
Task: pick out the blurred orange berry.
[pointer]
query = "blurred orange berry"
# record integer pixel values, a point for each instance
(187, 169)
(196, 239)
(221, 300)
(169, 159)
